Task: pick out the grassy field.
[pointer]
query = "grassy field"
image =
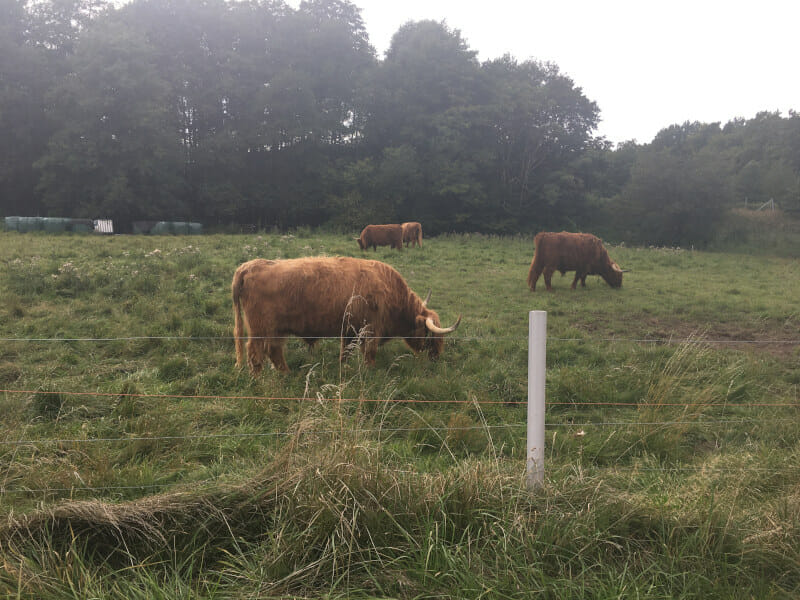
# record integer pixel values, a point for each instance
(137, 462)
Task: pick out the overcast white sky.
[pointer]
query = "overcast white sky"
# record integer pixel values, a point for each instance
(647, 64)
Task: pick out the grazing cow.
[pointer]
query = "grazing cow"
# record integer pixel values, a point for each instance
(316, 297)
(381, 235)
(412, 232)
(579, 252)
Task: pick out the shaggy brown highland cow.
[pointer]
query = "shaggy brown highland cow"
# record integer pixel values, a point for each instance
(579, 252)
(311, 298)
(381, 235)
(412, 233)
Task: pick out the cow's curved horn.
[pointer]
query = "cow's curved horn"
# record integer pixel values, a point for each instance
(441, 330)
(624, 270)
(428, 297)
(615, 266)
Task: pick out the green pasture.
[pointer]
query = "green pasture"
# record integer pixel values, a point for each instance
(136, 461)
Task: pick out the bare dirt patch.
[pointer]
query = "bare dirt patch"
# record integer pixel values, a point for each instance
(781, 340)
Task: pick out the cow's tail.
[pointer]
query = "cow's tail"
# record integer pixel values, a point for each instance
(533, 273)
(238, 322)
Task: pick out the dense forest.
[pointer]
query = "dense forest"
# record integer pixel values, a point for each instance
(259, 114)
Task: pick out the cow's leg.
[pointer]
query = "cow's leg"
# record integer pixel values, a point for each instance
(536, 270)
(583, 280)
(548, 277)
(579, 276)
(255, 354)
(345, 348)
(275, 352)
(370, 349)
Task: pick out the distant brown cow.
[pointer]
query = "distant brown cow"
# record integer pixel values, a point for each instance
(319, 297)
(579, 252)
(412, 232)
(381, 235)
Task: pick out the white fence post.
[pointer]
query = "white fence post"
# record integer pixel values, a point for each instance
(537, 343)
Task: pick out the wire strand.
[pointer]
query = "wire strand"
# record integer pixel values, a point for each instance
(270, 398)
(246, 435)
(201, 436)
(395, 400)
(449, 338)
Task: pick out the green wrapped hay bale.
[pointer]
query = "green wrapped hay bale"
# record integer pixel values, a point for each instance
(143, 227)
(162, 228)
(27, 224)
(81, 225)
(55, 224)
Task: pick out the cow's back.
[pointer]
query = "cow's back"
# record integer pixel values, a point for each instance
(310, 297)
(564, 251)
(390, 234)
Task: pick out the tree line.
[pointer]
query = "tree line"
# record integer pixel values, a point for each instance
(256, 113)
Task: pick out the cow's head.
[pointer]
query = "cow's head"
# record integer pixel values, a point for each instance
(428, 333)
(360, 243)
(613, 275)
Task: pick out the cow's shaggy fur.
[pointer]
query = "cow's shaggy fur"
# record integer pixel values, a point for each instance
(579, 252)
(412, 233)
(381, 235)
(311, 298)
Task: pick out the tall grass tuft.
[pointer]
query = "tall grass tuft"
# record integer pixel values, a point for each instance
(47, 405)
(333, 516)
